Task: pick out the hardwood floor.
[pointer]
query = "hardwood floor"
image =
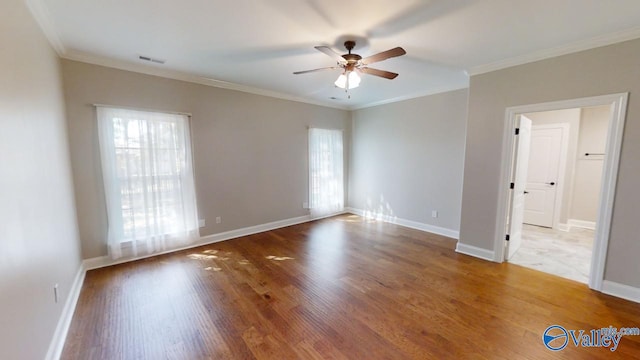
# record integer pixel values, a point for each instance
(339, 288)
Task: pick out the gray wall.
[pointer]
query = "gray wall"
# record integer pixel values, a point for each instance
(407, 159)
(605, 70)
(594, 124)
(39, 243)
(250, 151)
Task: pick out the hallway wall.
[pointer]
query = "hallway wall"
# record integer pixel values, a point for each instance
(592, 139)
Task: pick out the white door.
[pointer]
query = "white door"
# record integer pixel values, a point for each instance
(519, 179)
(543, 174)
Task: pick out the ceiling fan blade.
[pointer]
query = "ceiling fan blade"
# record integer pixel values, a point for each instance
(329, 51)
(383, 55)
(314, 70)
(382, 73)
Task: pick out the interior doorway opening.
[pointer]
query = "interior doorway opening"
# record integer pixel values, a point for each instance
(512, 202)
(562, 190)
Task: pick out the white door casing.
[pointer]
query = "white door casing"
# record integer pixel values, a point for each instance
(546, 156)
(618, 104)
(522, 147)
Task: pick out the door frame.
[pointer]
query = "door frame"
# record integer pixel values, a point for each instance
(562, 166)
(520, 152)
(618, 104)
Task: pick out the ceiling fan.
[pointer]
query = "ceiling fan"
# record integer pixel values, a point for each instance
(353, 64)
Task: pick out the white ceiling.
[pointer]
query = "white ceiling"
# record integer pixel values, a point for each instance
(255, 45)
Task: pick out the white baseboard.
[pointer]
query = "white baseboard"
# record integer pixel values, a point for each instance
(250, 230)
(371, 216)
(573, 223)
(429, 228)
(408, 223)
(355, 211)
(60, 334)
(314, 218)
(475, 251)
(591, 225)
(620, 290)
(96, 262)
(103, 261)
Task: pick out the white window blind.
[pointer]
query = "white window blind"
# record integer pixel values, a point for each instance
(148, 180)
(326, 178)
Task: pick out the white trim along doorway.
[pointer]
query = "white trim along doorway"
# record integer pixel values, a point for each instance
(618, 103)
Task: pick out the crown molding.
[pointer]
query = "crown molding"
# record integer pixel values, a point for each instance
(40, 13)
(574, 47)
(182, 76)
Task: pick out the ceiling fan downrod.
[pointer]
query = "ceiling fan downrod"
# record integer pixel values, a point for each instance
(349, 44)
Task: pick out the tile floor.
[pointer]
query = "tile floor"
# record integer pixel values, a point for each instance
(566, 254)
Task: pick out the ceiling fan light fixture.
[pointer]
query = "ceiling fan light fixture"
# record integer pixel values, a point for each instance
(354, 80)
(348, 80)
(341, 82)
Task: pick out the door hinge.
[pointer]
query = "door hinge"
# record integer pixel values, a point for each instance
(512, 186)
(517, 131)
(507, 237)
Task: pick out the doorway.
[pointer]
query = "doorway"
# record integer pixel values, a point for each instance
(562, 190)
(512, 191)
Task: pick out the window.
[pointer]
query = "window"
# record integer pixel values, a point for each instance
(326, 180)
(148, 180)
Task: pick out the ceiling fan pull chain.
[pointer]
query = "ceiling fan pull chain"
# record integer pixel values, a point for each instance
(346, 88)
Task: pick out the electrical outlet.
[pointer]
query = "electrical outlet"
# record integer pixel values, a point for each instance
(55, 293)
(305, 205)
(218, 220)
(434, 214)
(202, 223)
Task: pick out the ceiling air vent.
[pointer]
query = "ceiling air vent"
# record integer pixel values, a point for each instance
(147, 58)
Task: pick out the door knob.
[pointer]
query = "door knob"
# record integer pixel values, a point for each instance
(551, 183)
(526, 192)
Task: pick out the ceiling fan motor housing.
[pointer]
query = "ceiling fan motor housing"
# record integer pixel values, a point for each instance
(352, 59)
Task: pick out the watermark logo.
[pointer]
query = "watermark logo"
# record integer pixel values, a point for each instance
(556, 337)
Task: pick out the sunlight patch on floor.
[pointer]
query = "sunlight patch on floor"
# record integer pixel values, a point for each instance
(201, 257)
(278, 258)
(207, 255)
(350, 218)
